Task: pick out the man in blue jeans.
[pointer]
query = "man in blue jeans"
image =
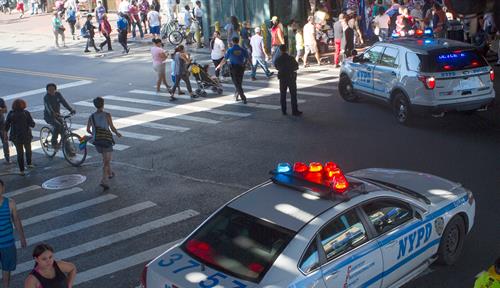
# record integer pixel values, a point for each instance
(259, 54)
(52, 110)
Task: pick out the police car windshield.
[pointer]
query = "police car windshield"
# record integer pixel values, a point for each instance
(238, 244)
(443, 61)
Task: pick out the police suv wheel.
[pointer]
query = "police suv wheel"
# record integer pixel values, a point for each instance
(346, 90)
(401, 108)
(452, 241)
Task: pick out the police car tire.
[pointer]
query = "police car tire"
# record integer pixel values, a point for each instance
(400, 99)
(346, 90)
(454, 236)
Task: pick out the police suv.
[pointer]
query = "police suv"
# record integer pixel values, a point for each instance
(420, 75)
(314, 226)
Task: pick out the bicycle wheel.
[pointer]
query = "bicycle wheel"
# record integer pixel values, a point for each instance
(46, 141)
(175, 37)
(164, 31)
(73, 153)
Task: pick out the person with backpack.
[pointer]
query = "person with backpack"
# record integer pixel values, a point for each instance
(100, 125)
(122, 25)
(90, 29)
(20, 122)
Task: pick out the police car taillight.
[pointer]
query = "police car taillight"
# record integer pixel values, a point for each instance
(492, 75)
(329, 174)
(144, 275)
(429, 82)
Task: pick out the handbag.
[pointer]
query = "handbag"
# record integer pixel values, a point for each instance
(61, 29)
(102, 136)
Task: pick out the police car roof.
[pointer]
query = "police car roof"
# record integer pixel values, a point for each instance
(282, 206)
(428, 45)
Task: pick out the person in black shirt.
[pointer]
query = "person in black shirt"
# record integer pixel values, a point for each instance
(3, 132)
(19, 122)
(52, 110)
(90, 28)
(287, 73)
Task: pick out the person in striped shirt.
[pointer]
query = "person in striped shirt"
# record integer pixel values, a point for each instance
(8, 214)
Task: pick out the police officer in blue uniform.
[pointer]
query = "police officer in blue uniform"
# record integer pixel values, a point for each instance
(237, 56)
(287, 73)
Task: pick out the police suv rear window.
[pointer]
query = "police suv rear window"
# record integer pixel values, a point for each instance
(451, 60)
(238, 244)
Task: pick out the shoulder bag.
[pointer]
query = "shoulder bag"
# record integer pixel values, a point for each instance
(102, 136)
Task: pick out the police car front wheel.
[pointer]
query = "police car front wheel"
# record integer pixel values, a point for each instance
(346, 90)
(452, 241)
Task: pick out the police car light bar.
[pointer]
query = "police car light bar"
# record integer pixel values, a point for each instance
(328, 175)
(427, 31)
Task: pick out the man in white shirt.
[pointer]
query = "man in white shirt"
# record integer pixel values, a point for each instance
(310, 45)
(381, 22)
(154, 21)
(259, 54)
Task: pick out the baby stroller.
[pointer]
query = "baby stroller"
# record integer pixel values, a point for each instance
(204, 80)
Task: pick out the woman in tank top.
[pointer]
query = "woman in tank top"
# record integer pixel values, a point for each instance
(49, 273)
(103, 119)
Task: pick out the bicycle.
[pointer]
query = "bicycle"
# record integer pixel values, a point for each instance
(177, 36)
(168, 27)
(74, 147)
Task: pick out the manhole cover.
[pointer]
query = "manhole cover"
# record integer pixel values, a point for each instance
(63, 182)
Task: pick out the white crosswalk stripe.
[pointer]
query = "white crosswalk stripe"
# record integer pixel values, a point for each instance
(21, 191)
(89, 222)
(155, 114)
(48, 197)
(182, 106)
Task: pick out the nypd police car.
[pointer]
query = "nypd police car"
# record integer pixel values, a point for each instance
(420, 75)
(314, 226)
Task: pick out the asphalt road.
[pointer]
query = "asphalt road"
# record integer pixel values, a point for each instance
(191, 167)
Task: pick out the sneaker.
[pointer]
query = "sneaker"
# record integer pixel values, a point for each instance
(297, 113)
(31, 166)
(128, 50)
(337, 66)
(22, 173)
(87, 51)
(270, 75)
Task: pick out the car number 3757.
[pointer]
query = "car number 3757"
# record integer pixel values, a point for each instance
(177, 264)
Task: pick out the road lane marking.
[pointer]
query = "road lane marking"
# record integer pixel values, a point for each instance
(118, 147)
(21, 191)
(45, 74)
(68, 209)
(114, 238)
(89, 223)
(122, 264)
(156, 114)
(42, 91)
(82, 129)
(48, 197)
(211, 100)
(180, 106)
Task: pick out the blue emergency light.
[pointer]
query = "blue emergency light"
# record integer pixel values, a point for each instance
(428, 31)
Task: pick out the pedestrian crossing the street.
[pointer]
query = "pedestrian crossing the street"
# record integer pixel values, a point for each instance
(72, 239)
(143, 115)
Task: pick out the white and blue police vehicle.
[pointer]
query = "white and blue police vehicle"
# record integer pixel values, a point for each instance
(314, 226)
(420, 76)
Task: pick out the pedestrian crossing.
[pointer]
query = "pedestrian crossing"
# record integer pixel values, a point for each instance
(146, 116)
(89, 224)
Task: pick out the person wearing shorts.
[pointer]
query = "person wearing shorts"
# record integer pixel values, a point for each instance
(159, 56)
(154, 20)
(102, 119)
(310, 45)
(20, 8)
(8, 214)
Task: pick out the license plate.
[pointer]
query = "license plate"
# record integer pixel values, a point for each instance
(470, 83)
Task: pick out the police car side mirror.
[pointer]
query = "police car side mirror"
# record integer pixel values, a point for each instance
(419, 216)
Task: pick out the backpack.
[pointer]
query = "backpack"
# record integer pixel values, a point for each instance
(84, 32)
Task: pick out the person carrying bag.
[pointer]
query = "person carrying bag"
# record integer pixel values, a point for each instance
(100, 125)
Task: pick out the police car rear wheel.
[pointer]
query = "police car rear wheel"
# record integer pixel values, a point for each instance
(346, 90)
(452, 242)
(401, 108)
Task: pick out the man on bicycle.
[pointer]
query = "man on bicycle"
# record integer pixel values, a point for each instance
(52, 110)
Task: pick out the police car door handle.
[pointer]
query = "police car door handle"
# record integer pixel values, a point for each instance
(330, 276)
(393, 73)
(368, 69)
